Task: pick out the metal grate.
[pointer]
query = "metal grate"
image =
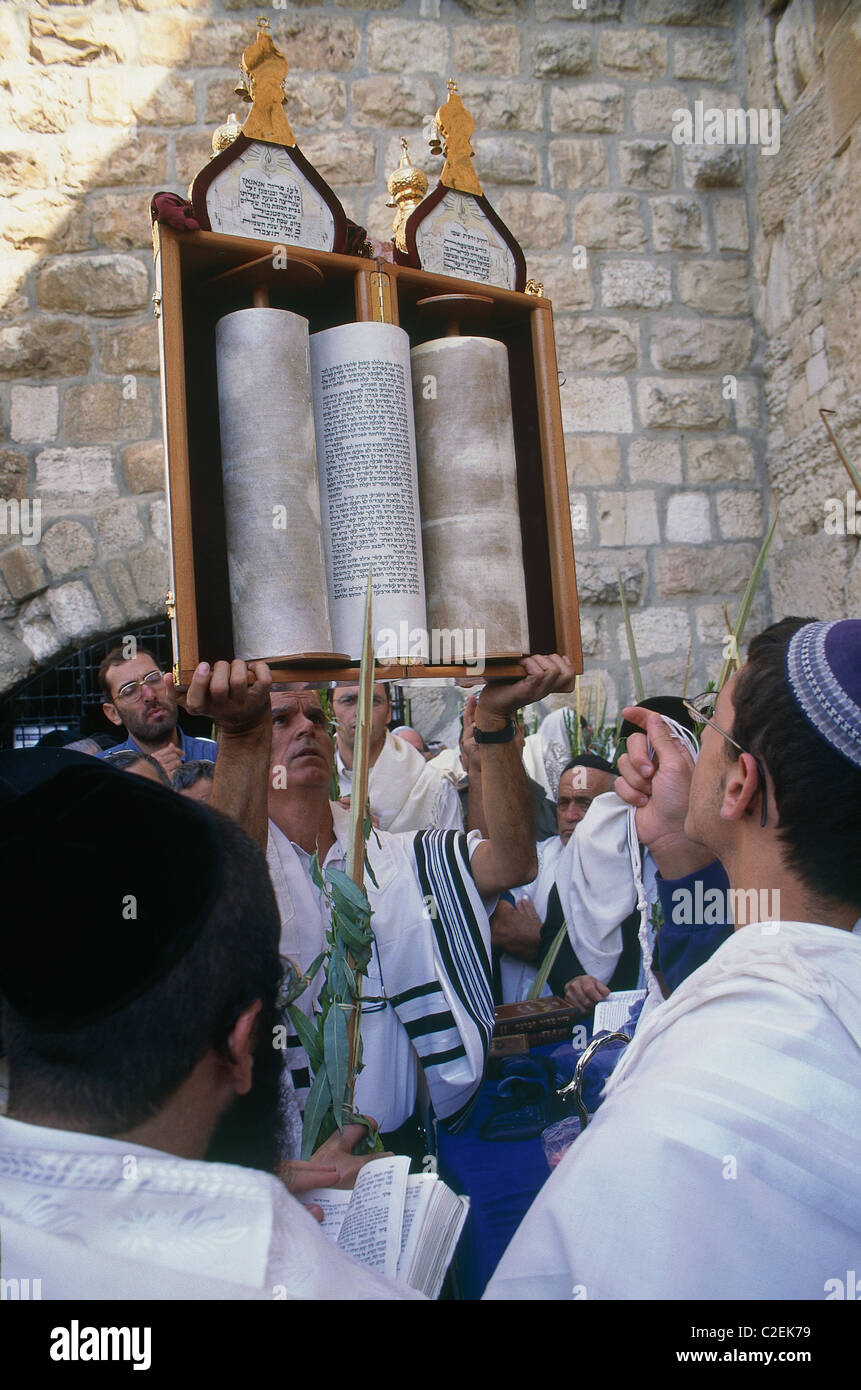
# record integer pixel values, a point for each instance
(67, 696)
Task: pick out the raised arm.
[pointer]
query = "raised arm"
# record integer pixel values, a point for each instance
(236, 697)
(471, 759)
(508, 856)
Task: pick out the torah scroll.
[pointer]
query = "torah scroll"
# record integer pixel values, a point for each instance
(271, 501)
(368, 483)
(473, 554)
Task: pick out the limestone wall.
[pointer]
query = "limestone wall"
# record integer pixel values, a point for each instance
(102, 103)
(806, 58)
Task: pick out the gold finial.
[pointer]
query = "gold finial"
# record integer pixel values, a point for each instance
(534, 287)
(224, 135)
(455, 126)
(407, 186)
(264, 68)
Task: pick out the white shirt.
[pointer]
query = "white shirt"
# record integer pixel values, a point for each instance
(518, 976)
(386, 1086)
(431, 966)
(102, 1218)
(724, 1161)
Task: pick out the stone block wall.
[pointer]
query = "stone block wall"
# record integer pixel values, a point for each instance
(643, 244)
(805, 58)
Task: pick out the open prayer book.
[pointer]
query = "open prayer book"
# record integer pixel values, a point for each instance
(404, 1227)
(612, 1014)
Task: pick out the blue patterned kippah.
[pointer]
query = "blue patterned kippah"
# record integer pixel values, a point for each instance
(823, 667)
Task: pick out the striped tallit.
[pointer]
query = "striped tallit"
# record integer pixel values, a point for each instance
(431, 957)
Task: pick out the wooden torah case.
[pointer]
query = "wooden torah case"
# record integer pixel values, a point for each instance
(203, 276)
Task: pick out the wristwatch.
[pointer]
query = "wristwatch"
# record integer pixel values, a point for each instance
(500, 736)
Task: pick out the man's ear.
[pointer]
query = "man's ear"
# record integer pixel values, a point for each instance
(741, 788)
(240, 1046)
(111, 713)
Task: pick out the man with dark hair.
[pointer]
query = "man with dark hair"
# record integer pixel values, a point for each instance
(194, 779)
(405, 791)
(141, 1037)
(138, 698)
(138, 764)
(724, 1160)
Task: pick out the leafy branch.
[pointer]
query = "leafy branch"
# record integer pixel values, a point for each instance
(333, 1040)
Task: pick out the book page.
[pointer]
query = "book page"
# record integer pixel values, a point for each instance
(417, 1200)
(366, 457)
(371, 1232)
(612, 1013)
(437, 1230)
(334, 1203)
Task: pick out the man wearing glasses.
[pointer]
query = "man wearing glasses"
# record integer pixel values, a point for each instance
(724, 1160)
(138, 700)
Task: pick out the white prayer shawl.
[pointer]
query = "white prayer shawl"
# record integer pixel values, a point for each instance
(518, 976)
(596, 883)
(724, 1160)
(406, 792)
(449, 761)
(538, 891)
(96, 1218)
(547, 751)
(431, 963)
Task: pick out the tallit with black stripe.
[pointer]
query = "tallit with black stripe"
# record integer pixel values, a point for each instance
(432, 942)
(449, 1014)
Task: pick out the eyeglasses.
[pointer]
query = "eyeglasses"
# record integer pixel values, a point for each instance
(701, 708)
(132, 690)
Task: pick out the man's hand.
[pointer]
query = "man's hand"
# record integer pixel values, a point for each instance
(584, 992)
(236, 697)
(499, 700)
(659, 788)
(516, 929)
(227, 695)
(507, 857)
(333, 1164)
(170, 758)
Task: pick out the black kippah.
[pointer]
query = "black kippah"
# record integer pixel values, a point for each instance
(107, 880)
(670, 705)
